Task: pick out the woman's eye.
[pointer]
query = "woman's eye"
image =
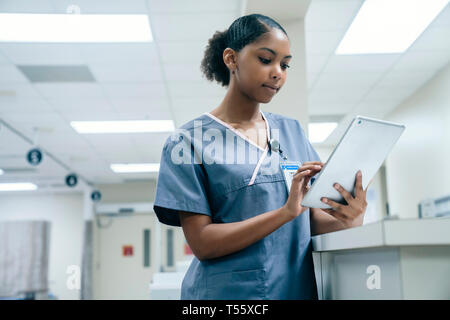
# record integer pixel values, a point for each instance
(267, 61)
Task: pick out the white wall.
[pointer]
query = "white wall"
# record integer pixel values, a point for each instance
(419, 165)
(65, 212)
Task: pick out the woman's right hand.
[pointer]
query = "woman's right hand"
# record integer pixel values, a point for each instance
(299, 187)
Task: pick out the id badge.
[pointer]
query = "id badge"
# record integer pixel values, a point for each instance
(289, 169)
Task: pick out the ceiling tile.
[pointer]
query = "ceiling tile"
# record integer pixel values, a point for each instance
(21, 105)
(433, 39)
(417, 61)
(10, 74)
(190, 27)
(42, 53)
(407, 78)
(94, 115)
(204, 88)
(80, 105)
(136, 90)
(19, 90)
(343, 12)
(109, 141)
(329, 108)
(182, 51)
(315, 62)
(103, 53)
(351, 80)
(376, 109)
(443, 19)
(361, 63)
(311, 79)
(103, 6)
(334, 95)
(69, 90)
(322, 42)
(3, 59)
(26, 6)
(183, 72)
(388, 93)
(182, 6)
(152, 108)
(126, 72)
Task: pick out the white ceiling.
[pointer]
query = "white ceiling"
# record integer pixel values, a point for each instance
(370, 84)
(159, 80)
(162, 80)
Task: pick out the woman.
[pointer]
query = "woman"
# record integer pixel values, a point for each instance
(250, 235)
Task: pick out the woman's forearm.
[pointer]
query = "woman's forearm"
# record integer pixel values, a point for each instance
(221, 239)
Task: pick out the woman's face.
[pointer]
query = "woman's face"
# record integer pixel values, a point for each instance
(263, 65)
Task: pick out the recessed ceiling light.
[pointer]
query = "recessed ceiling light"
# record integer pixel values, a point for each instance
(131, 126)
(319, 132)
(389, 26)
(23, 186)
(25, 27)
(135, 167)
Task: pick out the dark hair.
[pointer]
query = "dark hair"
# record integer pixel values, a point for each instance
(241, 32)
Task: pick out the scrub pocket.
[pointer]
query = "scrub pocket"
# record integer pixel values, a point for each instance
(237, 285)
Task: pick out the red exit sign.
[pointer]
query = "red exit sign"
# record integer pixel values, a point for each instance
(127, 251)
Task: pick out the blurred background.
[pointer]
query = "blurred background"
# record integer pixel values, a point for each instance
(76, 217)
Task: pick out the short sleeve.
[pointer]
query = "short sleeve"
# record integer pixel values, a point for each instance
(180, 187)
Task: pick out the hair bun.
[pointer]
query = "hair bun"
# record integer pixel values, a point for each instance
(212, 65)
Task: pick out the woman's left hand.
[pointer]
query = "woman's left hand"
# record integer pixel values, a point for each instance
(351, 214)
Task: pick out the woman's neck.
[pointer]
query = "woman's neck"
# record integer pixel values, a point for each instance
(237, 107)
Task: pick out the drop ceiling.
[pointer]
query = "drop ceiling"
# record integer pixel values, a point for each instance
(366, 84)
(162, 80)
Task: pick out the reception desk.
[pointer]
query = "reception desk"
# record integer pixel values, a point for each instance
(389, 259)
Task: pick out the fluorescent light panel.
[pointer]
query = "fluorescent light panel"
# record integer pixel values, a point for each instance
(23, 186)
(18, 27)
(319, 132)
(131, 126)
(135, 167)
(389, 26)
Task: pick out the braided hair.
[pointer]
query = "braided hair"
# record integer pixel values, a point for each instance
(242, 31)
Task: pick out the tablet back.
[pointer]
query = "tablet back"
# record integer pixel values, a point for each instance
(364, 146)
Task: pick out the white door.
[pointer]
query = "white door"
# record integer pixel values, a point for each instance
(124, 256)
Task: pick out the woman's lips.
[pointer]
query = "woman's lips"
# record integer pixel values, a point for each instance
(270, 89)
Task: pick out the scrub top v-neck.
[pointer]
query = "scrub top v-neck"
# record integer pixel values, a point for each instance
(228, 177)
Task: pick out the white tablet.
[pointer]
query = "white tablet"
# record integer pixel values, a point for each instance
(364, 146)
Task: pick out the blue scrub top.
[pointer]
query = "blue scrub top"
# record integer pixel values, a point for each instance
(231, 184)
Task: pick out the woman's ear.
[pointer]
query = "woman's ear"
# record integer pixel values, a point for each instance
(230, 59)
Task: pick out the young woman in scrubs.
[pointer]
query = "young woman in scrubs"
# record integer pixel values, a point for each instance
(250, 236)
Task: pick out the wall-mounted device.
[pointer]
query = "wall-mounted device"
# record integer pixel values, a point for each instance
(433, 208)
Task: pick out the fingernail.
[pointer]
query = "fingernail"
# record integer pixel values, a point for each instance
(324, 200)
(336, 186)
(359, 173)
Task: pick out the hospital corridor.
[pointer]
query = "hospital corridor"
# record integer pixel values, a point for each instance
(198, 150)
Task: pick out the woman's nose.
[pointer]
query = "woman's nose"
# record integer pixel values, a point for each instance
(276, 73)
